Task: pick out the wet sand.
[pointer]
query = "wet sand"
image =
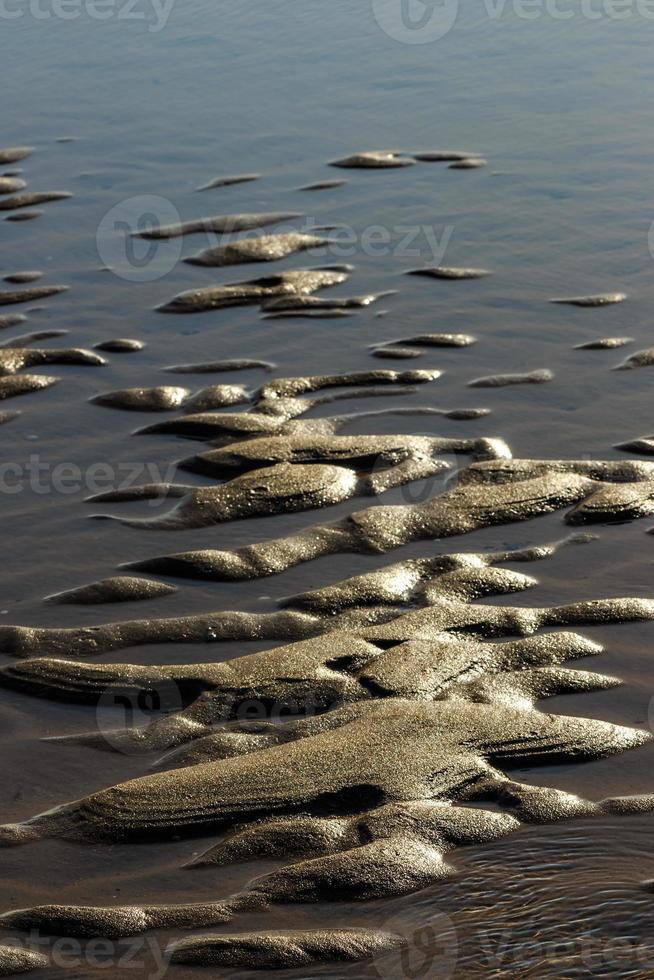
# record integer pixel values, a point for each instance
(253, 567)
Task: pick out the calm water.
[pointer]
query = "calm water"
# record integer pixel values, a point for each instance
(562, 111)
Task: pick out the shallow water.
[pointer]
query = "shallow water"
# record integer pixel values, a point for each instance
(561, 111)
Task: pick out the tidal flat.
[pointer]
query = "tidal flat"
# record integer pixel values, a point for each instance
(326, 603)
